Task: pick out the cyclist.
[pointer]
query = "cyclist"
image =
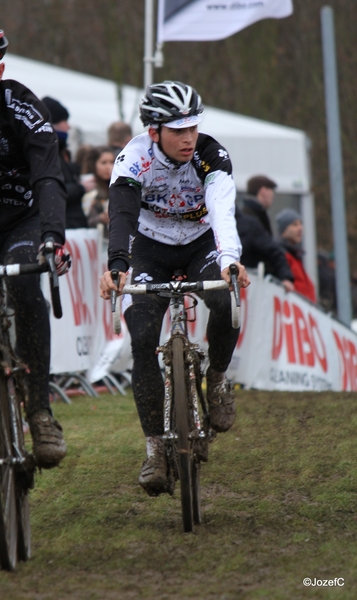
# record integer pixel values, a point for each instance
(32, 209)
(171, 206)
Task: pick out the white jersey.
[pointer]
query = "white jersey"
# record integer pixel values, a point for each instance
(173, 203)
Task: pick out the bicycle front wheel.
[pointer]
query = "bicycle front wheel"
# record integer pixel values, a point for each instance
(8, 520)
(183, 442)
(24, 472)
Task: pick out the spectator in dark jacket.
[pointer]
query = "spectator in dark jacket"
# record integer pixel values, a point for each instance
(259, 246)
(75, 216)
(290, 229)
(259, 198)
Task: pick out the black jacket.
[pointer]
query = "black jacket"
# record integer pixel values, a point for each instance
(31, 180)
(75, 216)
(259, 246)
(253, 208)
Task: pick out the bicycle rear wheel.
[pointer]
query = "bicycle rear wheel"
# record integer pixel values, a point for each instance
(8, 518)
(183, 442)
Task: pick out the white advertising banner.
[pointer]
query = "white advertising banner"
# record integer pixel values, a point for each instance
(204, 20)
(286, 342)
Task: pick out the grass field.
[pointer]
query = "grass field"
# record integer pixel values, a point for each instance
(279, 501)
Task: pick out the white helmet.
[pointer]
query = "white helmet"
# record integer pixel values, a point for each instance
(169, 101)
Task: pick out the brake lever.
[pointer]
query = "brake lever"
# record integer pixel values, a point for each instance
(113, 294)
(233, 271)
(49, 251)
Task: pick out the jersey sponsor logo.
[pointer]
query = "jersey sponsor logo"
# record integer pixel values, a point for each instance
(138, 169)
(20, 244)
(15, 202)
(222, 153)
(143, 278)
(196, 215)
(4, 146)
(23, 111)
(211, 258)
(210, 178)
(174, 200)
(45, 128)
(201, 164)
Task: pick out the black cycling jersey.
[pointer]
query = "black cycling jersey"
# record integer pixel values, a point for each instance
(31, 181)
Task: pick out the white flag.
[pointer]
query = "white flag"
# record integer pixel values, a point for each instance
(205, 20)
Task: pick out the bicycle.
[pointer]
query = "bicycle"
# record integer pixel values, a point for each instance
(187, 430)
(17, 465)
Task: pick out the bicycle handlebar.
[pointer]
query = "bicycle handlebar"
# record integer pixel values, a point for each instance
(46, 267)
(177, 288)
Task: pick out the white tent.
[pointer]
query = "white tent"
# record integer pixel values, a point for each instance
(255, 146)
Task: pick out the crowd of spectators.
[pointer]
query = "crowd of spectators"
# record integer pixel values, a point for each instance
(87, 177)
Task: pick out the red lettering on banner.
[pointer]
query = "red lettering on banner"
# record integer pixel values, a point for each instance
(289, 332)
(306, 356)
(352, 364)
(92, 248)
(277, 329)
(347, 354)
(76, 284)
(318, 343)
(243, 315)
(299, 334)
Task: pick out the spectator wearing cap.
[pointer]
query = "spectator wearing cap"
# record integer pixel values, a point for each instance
(259, 198)
(119, 134)
(75, 217)
(290, 229)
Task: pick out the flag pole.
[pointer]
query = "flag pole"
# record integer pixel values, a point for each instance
(148, 46)
(151, 59)
(343, 288)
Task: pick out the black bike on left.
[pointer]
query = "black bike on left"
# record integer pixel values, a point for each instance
(17, 465)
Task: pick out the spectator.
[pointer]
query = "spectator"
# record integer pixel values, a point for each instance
(75, 217)
(259, 246)
(119, 134)
(100, 162)
(259, 198)
(327, 281)
(81, 158)
(290, 229)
